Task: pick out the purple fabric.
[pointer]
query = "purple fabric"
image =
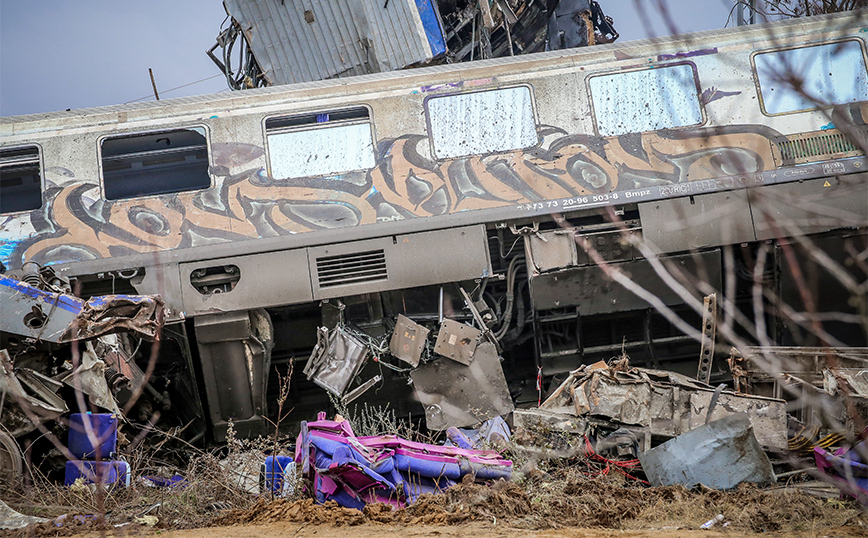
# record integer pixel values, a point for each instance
(357, 470)
(845, 468)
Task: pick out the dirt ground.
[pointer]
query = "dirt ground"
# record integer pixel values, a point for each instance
(476, 530)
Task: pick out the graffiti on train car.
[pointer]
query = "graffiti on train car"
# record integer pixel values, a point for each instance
(245, 203)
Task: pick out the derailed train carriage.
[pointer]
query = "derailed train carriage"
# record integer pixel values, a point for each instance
(737, 156)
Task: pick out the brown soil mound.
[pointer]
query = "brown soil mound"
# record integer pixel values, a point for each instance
(578, 502)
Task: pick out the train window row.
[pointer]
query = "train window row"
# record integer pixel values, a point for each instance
(467, 123)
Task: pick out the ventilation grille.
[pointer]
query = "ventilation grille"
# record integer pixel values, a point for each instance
(351, 268)
(821, 145)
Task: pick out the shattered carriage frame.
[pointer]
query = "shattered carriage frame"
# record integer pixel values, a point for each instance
(262, 215)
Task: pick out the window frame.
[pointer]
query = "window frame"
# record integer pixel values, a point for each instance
(533, 108)
(41, 163)
(756, 79)
(696, 83)
(131, 134)
(307, 126)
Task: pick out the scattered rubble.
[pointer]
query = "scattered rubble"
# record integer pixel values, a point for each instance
(652, 403)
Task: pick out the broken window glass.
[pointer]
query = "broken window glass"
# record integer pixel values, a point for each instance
(145, 164)
(806, 78)
(475, 123)
(646, 100)
(320, 144)
(20, 179)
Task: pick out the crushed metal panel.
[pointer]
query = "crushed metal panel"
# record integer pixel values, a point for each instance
(90, 379)
(408, 340)
(40, 395)
(457, 341)
(457, 395)
(665, 403)
(547, 419)
(693, 222)
(138, 315)
(58, 317)
(720, 455)
(336, 360)
(299, 41)
(34, 313)
(625, 402)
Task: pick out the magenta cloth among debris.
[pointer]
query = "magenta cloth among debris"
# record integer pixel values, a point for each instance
(355, 471)
(847, 467)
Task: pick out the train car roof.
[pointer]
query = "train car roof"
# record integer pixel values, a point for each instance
(391, 80)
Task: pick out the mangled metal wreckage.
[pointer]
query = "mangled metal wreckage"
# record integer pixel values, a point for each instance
(54, 345)
(354, 217)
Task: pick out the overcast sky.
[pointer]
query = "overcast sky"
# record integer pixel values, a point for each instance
(58, 54)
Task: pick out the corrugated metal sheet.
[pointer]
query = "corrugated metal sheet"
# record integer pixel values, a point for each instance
(304, 40)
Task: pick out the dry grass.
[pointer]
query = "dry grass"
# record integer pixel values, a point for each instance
(213, 482)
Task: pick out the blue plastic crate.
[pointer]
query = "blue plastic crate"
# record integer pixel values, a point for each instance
(105, 428)
(274, 474)
(107, 472)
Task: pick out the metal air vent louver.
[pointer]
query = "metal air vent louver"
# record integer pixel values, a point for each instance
(355, 268)
(821, 145)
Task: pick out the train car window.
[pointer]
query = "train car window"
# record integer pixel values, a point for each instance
(146, 164)
(807, 78)
(320, 144)
(488, 121)
(646, 100)
(20, 179)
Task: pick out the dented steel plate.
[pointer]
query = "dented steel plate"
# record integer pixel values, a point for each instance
(335, 362)
(457, 341)
(408, 340)
(720, 454)
(457, 395)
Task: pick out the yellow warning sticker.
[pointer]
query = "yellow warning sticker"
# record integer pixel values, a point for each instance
(827, 184)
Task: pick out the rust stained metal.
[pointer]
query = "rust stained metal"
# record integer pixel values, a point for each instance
(140, 315)
(408, 340)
